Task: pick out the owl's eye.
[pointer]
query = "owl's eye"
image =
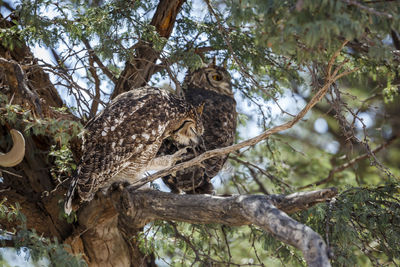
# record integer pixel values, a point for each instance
(216, 77)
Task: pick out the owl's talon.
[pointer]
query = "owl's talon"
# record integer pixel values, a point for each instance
(179, 155)
(119, 186)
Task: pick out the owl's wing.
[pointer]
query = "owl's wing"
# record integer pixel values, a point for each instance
(104, 155)
(120, 132)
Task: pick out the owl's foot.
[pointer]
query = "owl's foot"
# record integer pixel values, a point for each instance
(166, 161)
(119, 186)
(179, 155)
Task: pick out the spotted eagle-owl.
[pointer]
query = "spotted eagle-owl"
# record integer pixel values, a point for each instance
(121, 142)
(212, 86)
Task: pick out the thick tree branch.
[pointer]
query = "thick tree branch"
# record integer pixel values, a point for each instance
(22, 83)
(111, 223)
(138, 207)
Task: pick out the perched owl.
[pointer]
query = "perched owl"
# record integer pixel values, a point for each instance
(121, 142)
(212, 86)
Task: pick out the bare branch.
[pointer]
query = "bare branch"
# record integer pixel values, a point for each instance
(96, 98)
(118, 216)
(143, 206)
(96, 59)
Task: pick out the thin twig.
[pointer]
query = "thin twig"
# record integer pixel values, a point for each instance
(349, 164)
(105, 70)
(368, 9)
(264, 172)
(11, 173)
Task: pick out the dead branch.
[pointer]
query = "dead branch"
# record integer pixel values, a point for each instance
(118, 217)
(139, 207)
(96, 59)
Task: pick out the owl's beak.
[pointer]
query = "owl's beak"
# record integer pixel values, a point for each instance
(195, 138)
(193, 131)
(226, 88)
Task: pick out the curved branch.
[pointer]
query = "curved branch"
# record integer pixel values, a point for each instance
(138, 207)
(17, 152)
(110, 223)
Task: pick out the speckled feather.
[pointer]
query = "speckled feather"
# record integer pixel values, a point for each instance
(219, 121)
(122, 139)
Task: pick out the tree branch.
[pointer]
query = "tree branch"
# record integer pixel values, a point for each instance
(138, 207)
(96, 59)
(96, 98)
(368, 9)
(110, 223)
(22, 84)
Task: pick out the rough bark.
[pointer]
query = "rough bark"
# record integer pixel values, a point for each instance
(110, 223)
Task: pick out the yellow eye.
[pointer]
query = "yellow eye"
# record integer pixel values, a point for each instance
(216, 77)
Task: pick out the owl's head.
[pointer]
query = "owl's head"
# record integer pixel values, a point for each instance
(190, 128)
(212, 78)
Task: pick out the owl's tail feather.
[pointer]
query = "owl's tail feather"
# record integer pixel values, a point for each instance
(70, 196)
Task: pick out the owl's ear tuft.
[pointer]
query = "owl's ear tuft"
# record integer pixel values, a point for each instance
(225, 63)
(213, 63)
(199, 108)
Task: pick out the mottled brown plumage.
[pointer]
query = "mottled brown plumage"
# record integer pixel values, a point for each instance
(212, 86)
(121, 142)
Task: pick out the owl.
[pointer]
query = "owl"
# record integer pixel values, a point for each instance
(121, 142)
(212, 86)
